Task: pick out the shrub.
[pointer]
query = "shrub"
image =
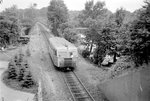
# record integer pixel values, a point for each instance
(28, 82)
(85, 53)
(12, 73)
(21, 74)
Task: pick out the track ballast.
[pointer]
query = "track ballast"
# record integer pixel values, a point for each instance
(76, 87)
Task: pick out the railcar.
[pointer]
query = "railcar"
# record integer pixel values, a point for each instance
(63, 53)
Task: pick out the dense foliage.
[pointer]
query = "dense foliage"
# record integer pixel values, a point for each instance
(140, 37)
(120, 32)
(57, 14)
(9, 27)
(70, 35)
(16, 22)
(98, 32)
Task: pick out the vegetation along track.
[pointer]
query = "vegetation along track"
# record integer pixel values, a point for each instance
(76, 87)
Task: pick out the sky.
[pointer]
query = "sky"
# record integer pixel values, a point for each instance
(112, 5)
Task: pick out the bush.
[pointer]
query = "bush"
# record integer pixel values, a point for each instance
(28, 82)
(85, 53)
(140, 37)
(99, 55)
(12, 73)
(21, 74)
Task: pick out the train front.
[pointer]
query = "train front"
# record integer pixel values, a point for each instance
(69, 58)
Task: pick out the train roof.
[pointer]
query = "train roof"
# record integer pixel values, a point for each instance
(61, 43)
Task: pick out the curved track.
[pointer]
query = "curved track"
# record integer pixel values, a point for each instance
(76, 87)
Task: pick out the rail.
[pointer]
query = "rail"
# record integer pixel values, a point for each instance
(76, 88)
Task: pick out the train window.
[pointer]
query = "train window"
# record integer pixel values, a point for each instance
(62, 54)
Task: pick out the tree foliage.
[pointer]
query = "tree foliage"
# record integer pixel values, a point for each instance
(57, 14)
(140, 36)
(91, 11)
(94, 17)
(70, 35)
(12, 73)
(119, 17)
(9, 26)
(121, 29)
(28, 82)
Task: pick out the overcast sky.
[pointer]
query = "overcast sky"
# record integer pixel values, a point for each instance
(112, 5)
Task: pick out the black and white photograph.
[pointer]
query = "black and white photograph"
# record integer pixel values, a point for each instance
(74, 50)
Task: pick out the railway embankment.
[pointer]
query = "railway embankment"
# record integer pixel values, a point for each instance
(92, 76)
(133, 86)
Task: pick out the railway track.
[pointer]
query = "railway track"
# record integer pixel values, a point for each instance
(74, 84)
(76, 87)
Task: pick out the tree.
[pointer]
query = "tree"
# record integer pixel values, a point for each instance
(140, 36)
(28, 81)
(120, 25)
(119, 17)
(9, 26)
(70, 35)
(91, 11)
(9, 32)
(12, 73)
(100, 31)
(21, 74)
(89, 18)
(57, 14)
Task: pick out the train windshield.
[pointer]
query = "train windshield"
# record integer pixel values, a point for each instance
(62, 54)
(66, 54)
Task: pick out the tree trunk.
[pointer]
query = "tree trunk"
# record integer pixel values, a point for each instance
(115, 54)
(88, 46)
(91, 47)
(146, 55)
